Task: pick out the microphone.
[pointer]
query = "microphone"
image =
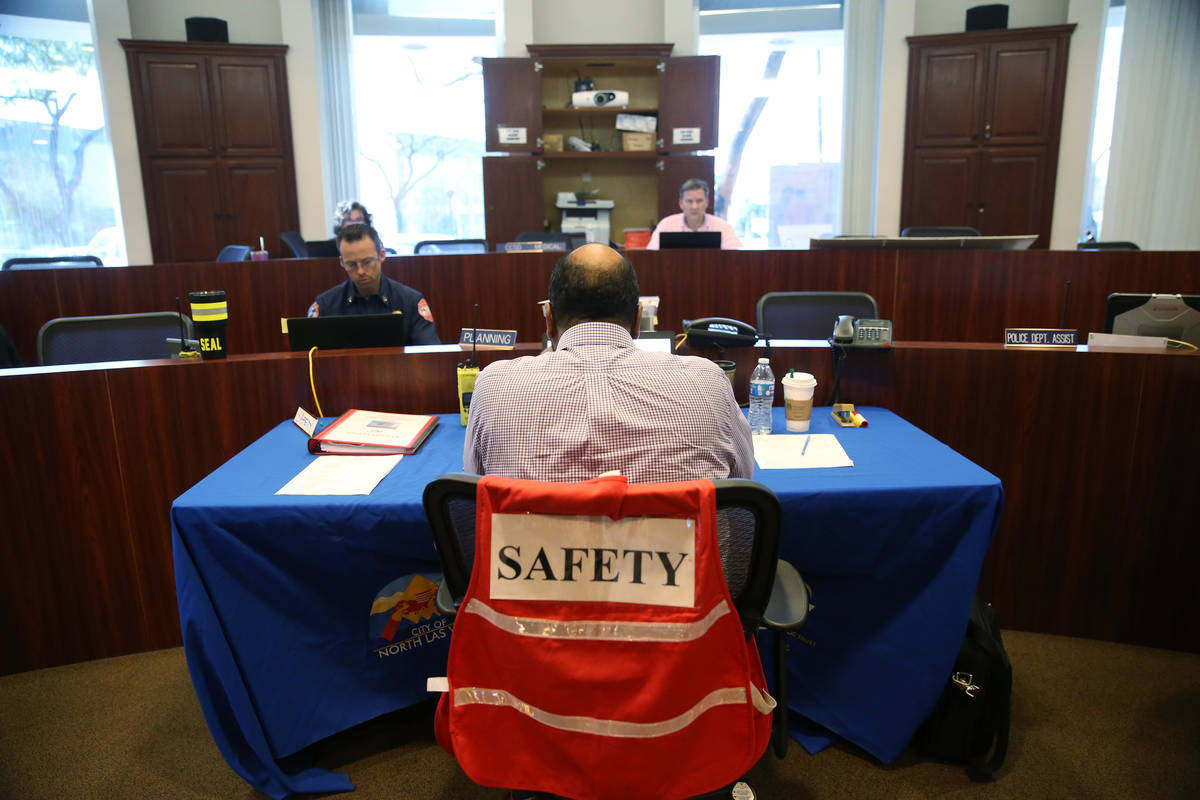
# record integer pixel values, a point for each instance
(1066, 301)
(468, 371)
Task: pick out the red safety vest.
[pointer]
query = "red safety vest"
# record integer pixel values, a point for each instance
(601, 660)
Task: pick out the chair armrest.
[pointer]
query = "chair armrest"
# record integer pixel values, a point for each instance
(788, 606)
(445, 602)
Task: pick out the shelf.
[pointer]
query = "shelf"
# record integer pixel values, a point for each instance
(603, 154)
(594, 111)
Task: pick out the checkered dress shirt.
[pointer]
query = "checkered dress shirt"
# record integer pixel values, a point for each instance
(597, 403)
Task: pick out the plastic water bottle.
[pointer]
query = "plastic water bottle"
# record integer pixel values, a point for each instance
(762, 397)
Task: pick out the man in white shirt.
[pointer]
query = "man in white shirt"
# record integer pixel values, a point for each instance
(693, 202)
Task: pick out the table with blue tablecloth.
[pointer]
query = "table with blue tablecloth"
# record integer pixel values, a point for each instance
(303, 616)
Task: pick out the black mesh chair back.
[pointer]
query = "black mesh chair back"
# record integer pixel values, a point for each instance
(321, 248)
(114, 337)
(435, 247)
(295, 242)
(939, 230)
(234, 252)
(1097, 246)
(52, 262)
(810, 315)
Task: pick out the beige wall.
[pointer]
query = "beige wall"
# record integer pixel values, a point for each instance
(250, 21)
(950, 16)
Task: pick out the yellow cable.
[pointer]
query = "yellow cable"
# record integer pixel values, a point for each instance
(1178, 343)
(312, 383)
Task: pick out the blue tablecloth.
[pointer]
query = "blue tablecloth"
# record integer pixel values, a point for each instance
(304, 616)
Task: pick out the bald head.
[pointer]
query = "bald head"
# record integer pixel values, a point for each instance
(593, 283)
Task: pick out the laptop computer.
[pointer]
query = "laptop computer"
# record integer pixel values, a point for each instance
(363, 330)
(689, 240)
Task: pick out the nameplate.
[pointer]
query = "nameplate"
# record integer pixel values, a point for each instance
(532, 247)
(685, 136)
(1040, 337)
(305, 421)
(485, 339)
(648, 560)
(512, 135)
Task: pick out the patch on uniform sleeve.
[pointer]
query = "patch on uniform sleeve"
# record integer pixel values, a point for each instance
(314, 310)
(423, 310)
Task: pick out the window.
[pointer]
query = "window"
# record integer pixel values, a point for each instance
(419, 116)
(58, 186)
(778, 166)
(1106, 106)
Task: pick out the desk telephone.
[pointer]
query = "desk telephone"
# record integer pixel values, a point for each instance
(862, 332)
(719, 332)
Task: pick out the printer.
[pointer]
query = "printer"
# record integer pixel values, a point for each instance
(584, 214)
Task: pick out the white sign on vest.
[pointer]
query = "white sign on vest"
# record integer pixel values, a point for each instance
(647, 560)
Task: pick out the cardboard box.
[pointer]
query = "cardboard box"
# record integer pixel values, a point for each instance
(552, 143)
(637, 141)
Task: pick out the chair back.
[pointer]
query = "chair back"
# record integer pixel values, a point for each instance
(295, 242)
(439, 247)
(113, 337)
(234, 252)
(638, 648)
(810, 315)
(939, 230)
(321, 248)
(51, 262)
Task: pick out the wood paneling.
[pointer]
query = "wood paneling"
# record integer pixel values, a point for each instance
(930, 295)
(1096, 538)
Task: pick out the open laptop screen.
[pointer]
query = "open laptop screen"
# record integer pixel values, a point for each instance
(689, 240)
(363, 330)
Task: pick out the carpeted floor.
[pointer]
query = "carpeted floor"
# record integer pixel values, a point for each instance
(1090, 720)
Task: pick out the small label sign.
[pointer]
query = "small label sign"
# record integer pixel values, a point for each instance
(512, 135)
(1040, 337)
(685, 136)
(485, 339)
(305, 421)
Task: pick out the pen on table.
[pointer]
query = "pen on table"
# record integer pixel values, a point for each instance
(804, 449)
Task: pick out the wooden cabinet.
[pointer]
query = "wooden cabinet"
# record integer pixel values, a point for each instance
(214, 135)
(981, 142)
(525, 99)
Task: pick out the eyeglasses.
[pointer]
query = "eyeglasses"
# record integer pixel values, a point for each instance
(366, 263)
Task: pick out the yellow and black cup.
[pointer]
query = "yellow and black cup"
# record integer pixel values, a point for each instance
(210, 314)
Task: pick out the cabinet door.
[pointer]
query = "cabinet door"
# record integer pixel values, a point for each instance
(185, 210)
(676, 170)
(940, 188)
(246, 106)
(944, 96)
(512, 191)
(688, 100)
(512, 101)
(256, 190)
(1016, 199)
(1020, 107)
(172, 105)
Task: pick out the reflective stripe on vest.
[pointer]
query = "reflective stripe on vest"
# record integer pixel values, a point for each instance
(600, 630)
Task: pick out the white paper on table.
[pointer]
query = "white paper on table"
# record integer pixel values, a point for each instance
(783, 451)
(341, 475)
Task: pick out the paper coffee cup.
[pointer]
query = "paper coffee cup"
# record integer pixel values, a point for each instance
(798, 400)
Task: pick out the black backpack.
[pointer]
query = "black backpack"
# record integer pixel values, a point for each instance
(970, 719)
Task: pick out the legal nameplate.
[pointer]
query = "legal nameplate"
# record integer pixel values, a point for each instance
(486, 339)
(1040, 337)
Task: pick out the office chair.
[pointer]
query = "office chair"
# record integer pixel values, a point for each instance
(569, 240)
(295, 242)
(51, 262)
(435, 247)
(1098, 246)
(936, 230)
(113, 337)
(234, 252)
(622, 668)
(810, 315)
(322, 248)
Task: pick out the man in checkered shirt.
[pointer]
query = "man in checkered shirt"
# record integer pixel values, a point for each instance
(598, 403)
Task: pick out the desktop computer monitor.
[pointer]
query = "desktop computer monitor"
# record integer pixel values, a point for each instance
(330, 333)
(689, 240)
(1171, 315)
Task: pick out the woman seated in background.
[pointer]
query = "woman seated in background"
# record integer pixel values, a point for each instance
(350, 211)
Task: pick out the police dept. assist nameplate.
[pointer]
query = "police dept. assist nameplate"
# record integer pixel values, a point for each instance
(1040, 337)
(487, 339)
(646, 560)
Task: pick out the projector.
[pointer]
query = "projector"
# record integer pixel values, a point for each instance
(599, 99)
